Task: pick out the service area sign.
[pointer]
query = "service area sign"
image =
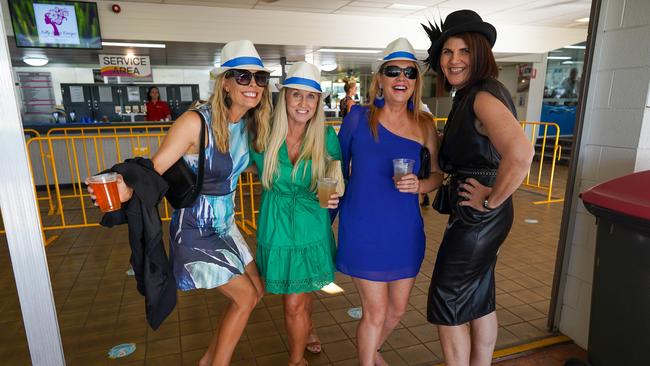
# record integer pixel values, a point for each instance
(128, 68)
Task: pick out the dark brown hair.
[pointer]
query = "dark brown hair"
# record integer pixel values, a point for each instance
(482, 63)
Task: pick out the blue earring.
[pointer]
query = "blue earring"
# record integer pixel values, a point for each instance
(379, 99)
(410, 104)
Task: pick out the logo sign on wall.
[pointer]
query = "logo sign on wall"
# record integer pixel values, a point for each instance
(56, 24)
(128, 68)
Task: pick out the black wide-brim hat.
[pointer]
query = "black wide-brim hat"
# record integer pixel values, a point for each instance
(461, 21)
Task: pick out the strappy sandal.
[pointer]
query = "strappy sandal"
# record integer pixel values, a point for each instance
(313, 345)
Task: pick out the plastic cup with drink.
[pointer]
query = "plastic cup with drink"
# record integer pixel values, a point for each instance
(105, 189)
(402, 167)
(326, 188)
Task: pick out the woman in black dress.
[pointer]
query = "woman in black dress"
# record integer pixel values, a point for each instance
(487, 155)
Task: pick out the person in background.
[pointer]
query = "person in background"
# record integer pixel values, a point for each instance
(207, 250)
(295, 243)
(381, 231)
(347, 102)
(157, 110)
(487, 155)
(571, 84)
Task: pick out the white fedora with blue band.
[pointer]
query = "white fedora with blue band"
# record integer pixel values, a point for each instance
(240, 55)
(399, 49)
(304, 76)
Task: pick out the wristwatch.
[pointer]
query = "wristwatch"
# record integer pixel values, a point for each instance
(485, 204)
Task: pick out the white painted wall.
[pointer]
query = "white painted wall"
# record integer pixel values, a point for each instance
(615, 142)
(161, 75)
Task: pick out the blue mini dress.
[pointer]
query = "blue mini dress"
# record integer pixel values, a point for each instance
(381, 232)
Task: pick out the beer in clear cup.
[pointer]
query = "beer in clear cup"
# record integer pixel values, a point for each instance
(326, 188)
(402, 167)
(105, 189)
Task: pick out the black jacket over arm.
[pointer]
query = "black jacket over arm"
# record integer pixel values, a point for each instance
(153, 271)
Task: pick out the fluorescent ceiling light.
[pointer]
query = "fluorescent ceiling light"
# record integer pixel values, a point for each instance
(329, 67)
(576, 47)
(347, 50)
(406, 7)
(35, 61)
(559, 57)
(567, 62)
(129, 44)
(582, 20)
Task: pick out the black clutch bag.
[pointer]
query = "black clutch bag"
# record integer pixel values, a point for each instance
(442, 201)
(184, 185)
(425, 163)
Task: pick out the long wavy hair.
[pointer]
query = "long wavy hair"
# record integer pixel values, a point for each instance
(417, 114)
(313, 144)
(257, 119)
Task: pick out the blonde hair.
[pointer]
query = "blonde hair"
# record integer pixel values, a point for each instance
(313, 146)
(417, 114)
(257, 119)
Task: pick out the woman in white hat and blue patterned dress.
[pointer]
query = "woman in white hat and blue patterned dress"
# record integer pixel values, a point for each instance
(206, 249)
(295, 243)
(381, 232)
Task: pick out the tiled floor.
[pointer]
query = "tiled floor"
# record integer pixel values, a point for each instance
(99, 307)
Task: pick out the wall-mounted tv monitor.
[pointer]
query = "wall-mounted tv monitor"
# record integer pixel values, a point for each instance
(57, 24)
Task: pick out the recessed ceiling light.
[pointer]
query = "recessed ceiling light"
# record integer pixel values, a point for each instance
(329, 67)
(347, 50)
(35, 61)
(583, 20)
(130, 44)
(406, 7)
(559, 57)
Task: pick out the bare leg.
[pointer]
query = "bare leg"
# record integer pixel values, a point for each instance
(456, 344)
(298, 321)
(484, 338)
(398, 299)
(244, 295)
(313, 342)
(374, 300)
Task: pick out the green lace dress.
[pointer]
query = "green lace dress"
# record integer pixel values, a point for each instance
(295, 243)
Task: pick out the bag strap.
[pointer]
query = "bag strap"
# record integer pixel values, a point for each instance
(199, 177)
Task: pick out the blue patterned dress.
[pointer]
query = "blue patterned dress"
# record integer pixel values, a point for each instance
(206, 248)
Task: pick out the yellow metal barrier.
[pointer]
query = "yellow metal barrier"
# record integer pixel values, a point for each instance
(67, 159)
(534, 129)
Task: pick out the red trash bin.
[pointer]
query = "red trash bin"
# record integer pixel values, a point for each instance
(619, 326)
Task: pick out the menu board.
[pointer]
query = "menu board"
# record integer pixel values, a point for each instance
(37, 96)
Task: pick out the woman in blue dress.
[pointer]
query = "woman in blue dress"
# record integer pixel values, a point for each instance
(206, 249)
(381, 233)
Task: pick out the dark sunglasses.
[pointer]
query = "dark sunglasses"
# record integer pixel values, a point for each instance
(244, 77)
(393, 71)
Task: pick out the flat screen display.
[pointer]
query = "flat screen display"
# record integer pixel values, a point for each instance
(56, 24)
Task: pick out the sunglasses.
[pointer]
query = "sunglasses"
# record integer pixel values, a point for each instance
(244, 77)
(393, 71)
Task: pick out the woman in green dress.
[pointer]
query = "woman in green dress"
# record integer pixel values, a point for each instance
(295, 243)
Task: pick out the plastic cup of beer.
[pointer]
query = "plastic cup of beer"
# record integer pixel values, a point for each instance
(105, 188)
(402, 167)
(326, 188)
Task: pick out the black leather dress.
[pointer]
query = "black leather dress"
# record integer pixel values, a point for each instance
(462, 285)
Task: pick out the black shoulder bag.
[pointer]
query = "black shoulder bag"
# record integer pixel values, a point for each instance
(184, 185)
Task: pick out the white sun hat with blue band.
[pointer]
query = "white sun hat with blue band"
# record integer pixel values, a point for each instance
(399, 49)
(304, 76)
(240, 55)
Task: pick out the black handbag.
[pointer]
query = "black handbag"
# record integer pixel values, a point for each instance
(425, 163)
(184, 185)
(441, 202)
